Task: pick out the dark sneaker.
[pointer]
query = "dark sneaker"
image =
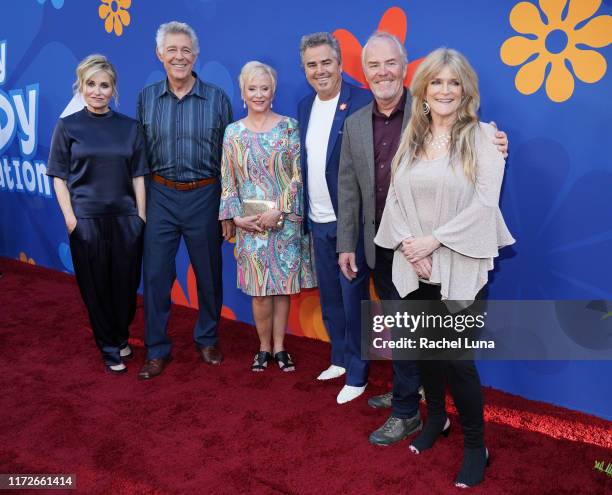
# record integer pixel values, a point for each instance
(396, 429)
(381, 401)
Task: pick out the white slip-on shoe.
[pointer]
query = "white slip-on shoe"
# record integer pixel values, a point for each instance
(349, 392)
(126, 352)
(332, 372)
(117, 368)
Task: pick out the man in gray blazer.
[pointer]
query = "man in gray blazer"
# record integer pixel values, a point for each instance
(370, 139)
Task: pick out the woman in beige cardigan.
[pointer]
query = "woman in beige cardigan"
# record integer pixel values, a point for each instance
(442, 218)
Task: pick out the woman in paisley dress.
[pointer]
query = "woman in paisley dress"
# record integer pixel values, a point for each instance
(261, 155)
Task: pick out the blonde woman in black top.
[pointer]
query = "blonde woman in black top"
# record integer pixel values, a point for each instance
(97, 161)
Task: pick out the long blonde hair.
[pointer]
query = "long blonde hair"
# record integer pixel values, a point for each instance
(463, 132)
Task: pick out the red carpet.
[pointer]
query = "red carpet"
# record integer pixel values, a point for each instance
(226, 430)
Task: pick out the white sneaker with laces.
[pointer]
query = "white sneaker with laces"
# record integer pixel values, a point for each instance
(332, 372)
(349, 392)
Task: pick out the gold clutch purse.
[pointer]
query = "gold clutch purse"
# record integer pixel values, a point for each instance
(251, 207)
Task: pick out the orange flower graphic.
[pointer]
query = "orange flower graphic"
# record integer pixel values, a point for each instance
(190, 299)
(116, 15)
(393, 21)
(305, 316)
(24, 258)
(555, 43)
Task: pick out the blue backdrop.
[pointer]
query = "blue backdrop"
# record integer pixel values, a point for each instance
(556, 196)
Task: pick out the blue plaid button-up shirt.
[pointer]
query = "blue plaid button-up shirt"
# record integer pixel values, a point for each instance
(184, 137)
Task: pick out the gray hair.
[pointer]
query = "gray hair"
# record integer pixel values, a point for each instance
(175, 27)
(383, 35)
(253, 68)
(317, 39)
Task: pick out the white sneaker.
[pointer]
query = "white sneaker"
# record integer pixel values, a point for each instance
(349, 392)
(332, 372)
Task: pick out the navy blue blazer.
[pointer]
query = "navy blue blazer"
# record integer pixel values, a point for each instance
(351, 99)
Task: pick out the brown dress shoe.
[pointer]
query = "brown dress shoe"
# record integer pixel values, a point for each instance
(211, 355)
(153, 367)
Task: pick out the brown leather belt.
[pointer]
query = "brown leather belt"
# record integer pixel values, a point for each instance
(183, 186)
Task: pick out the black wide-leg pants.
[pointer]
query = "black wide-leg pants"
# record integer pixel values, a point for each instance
(107, 258)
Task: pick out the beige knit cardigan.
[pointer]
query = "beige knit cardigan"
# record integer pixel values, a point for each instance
(467, 222)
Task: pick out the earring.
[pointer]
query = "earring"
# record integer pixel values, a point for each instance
(271, 105)
(243, 104)
(426, 107)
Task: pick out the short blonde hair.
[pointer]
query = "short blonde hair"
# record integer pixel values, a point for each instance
(251, 69)
(91, 65)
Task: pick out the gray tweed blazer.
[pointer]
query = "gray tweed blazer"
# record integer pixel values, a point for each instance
(356, 196)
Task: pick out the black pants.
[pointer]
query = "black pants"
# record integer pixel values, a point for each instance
(462, 379)
(461, 376)
(464, 384)
(107, 256)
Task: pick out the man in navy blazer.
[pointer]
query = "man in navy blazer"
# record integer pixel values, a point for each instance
(321, 117)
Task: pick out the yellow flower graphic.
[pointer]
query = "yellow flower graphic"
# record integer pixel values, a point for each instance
(24, 258)
(554, 43)
(116, 15)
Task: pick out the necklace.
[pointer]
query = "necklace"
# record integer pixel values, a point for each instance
(439, 142)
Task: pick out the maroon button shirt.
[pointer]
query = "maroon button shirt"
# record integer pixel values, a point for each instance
(387, 136)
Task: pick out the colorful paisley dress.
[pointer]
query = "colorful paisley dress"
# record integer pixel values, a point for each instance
(266, 165)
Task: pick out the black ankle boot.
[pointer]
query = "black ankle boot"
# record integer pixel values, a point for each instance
(472, 470)
(432, 430)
